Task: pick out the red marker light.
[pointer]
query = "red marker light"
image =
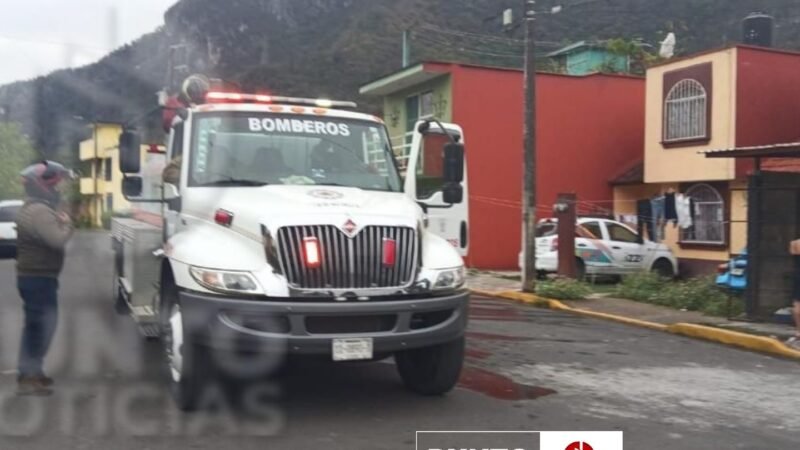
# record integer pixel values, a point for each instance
(311, 252)
(223, 96)
(389, 252)
(223, 217)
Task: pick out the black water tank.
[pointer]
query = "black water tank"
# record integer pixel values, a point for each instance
(758, 29)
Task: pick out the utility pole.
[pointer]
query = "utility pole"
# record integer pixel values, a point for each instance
(529, 186)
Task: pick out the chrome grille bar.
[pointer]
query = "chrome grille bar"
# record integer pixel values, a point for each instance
(348, 263)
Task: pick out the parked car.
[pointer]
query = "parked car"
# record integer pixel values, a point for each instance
(8, 227)
(733, 274)
(603, 247)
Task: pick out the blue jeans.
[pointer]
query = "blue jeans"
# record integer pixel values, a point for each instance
(40, 298)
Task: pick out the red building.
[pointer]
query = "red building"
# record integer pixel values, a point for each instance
(588, 127)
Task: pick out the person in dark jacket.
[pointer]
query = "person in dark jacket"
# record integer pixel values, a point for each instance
(42, 234)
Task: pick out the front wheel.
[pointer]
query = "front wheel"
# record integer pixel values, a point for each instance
(663, 268)
(431, 370)
(188, 364)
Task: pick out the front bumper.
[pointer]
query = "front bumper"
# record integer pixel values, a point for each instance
(309, 327)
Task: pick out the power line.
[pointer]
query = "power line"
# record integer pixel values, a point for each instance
(467, 50)
(429, 27)
(483, 37)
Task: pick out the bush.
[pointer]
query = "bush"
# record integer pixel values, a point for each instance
(563, 289)
(697, 294)
(640, 286)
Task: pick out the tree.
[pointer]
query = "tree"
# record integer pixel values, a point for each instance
(16, 152)
(639, 58)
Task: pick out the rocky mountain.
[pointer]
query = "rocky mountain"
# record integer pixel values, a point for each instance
(330, 47)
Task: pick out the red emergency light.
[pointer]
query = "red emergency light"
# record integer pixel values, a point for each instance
(238, 97)
(311, 253)
(223, 217)
(389, 252)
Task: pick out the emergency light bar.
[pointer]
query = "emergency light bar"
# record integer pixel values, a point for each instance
(228, 97)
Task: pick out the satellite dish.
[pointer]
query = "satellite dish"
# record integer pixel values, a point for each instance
(668, 46)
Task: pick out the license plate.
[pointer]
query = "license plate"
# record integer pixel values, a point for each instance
(737, 272)
(352, 349)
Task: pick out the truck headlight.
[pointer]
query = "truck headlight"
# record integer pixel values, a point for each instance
(218, 280)
(450, 279)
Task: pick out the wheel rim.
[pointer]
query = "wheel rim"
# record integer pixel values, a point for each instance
(174, 343)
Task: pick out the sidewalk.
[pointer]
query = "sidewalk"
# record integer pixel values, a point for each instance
(507, 284)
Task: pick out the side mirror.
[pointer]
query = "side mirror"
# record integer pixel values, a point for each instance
(453, 193)
(453, 163)
(132, 187)
(130, 147)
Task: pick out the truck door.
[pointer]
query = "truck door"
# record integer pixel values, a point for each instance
(423, 182)
(171, 213)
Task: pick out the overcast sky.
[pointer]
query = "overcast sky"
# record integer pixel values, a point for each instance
(39, 36)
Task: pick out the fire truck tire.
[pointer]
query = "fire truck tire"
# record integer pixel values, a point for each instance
(431, 370)
(188, 365)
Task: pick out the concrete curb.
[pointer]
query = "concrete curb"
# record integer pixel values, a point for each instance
(734, 338)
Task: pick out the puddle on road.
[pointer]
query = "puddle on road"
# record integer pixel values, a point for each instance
(500, 314)
(476, 353)
(498, 386)
(497, 337)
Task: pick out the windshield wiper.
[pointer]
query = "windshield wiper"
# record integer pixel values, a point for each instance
(235, 182)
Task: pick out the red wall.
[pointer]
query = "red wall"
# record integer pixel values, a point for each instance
(767, 99)
(588, 128)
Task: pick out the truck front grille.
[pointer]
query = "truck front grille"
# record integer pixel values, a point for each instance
(348, 263)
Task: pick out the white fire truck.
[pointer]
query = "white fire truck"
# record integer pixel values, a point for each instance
(284, 227)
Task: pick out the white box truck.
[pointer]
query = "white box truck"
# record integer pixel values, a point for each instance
(286, 228)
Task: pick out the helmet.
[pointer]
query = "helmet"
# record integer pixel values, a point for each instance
(41, 179)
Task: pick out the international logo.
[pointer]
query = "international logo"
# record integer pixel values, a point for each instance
(349, 227)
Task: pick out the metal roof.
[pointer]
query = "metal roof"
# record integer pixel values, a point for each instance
(784, 150)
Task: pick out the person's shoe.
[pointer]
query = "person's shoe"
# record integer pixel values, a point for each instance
(45, 380)
(33, 386)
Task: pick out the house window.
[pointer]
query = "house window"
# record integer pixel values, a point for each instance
(107, 164)
(426, 105)
(109, 202)
(686, 111)
(708, 225)
(418, 107)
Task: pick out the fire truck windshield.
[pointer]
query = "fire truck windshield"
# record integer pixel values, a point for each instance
(255, 149)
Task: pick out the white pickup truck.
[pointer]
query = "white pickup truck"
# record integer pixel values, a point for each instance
(287, 229)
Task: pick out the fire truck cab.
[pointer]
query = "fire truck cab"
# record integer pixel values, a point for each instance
(284, 226)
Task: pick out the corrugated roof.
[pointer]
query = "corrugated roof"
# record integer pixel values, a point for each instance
(783, 150)
(630, 174)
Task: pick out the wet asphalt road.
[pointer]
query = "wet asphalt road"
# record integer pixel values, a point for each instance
(527, 369)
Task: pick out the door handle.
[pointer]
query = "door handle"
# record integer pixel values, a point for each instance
(616, 248)
(582, 245)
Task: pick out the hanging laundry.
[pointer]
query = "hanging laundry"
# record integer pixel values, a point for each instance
(657, 209)
(683, 208)
(670, 213)
(644, 219)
